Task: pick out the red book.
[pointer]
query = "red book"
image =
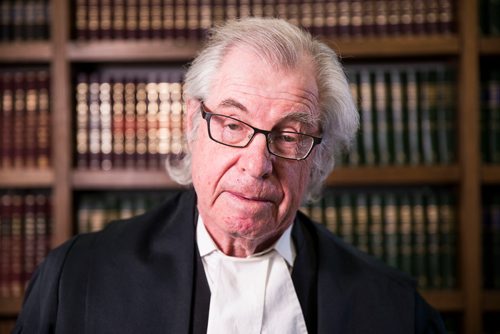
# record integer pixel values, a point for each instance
(43, 119)
(30, 129)
(8, 120)
(16, 246)
(19, 120)
(5, 244)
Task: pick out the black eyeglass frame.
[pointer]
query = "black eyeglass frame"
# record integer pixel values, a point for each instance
(206, 113)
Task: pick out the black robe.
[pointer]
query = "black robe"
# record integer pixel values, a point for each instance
(144, 275)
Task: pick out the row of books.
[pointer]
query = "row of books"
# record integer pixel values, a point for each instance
(491, 240)
(490, 116)
(490, 17)
(411, 228)
(407, 114)
(128, 119)
(24, 20)
(24, 119)
(180, 19)
(96, 210)
(25, 230)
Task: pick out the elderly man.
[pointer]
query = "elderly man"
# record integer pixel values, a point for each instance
(267, 109)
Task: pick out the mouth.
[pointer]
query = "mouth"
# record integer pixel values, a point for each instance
(247, 197)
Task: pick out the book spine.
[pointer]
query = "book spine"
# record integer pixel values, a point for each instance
(105, 119)
(367, 120)
(319, 19)
(131, 19)
(30, 129)
(5, 244)
(19, 119)
(448, 240)
(82, 121)
(347, 218)
(331, 213)
(331, 18)
(433, 249)
(81, 19)
(176, 116)
(118, 124)
(356, 19)
(393, 17)
(382, 120)
(406, 17)
(193, 19)
(7, 120)
(141, 126)
(29, 20)
(83, 214)
(390, 212)
(368, 18)
(94, 123)
(362, 222)
(18, 23)
(205, 17)
(446, 20)
(432, 17)
(376, 226)
(117, 25)
(42, 226)
(412, 117)
(344, 18)
(144, 19)
(405, 214)
(5, 21)
(43, 134)
(427, 98)
(16, 284)
(130, 124)
(93, 19)
(152, 125)
(353, 158)
(168, 19)
(419, 241)
(398, 132)
(180, 20)
(381, 16)
(164, 132)
(29, 238)
(105, 19)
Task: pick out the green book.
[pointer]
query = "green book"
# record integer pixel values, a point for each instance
(411, 106)
(346, 218)
(405, 232)
(367, 118)
(427, 98)
(376, 240)
(390, 229)
(331, 215)
(433, 249)
(419, 241)
(398, 122)
(448, 240)
(361, 225)
(445, 115)
(382, 124)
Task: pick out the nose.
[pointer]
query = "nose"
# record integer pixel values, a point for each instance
(255, 159)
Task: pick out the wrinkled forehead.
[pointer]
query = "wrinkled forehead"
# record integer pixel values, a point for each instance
(245, 73)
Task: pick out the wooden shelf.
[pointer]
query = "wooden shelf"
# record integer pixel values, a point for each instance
(26, 52)
(121, 179)
(170, 50)
(132, 51)
(444, 301)
(489, 45)
(395, 175)
(490, 174)
(396, 46)
(491, 300)
(10, 306)
(26, 178)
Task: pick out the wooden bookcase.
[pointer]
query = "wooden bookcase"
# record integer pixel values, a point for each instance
(468, 175)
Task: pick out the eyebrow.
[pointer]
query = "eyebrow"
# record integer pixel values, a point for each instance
(303, 117)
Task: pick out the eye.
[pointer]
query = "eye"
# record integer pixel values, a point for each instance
(233, 126)
(286, 138)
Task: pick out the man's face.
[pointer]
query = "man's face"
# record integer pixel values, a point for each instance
(247, 193)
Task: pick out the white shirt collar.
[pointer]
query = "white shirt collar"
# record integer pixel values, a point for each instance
(284, 246)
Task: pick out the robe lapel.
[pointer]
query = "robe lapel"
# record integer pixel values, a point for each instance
(304, 274)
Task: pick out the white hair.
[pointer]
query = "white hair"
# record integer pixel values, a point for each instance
(284, 46)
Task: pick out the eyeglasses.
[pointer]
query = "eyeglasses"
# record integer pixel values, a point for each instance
(232, 132)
